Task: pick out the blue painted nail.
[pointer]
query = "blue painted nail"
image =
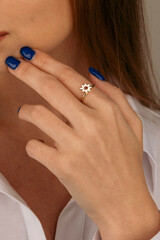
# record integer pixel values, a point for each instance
(12, 62)
(96, 73)
(19, 109)
(27, 52)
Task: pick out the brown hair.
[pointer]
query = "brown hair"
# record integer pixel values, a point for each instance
(113, 35)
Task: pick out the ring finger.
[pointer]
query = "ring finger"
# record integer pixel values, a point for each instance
(49, 123)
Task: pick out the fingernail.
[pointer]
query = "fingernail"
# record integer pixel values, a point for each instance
(12, 62)
(19, 109)
(27, 52)
(96, 73)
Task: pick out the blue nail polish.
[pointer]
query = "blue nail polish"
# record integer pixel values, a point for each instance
(19, 109)
(27, 52)
(96, 73)
(12, 62)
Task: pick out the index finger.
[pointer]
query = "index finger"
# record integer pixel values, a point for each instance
(65, 74)
(49, 88)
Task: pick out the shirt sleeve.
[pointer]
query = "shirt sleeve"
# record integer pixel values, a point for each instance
(97, 236)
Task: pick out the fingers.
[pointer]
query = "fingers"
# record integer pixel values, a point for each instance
(70, 78)
(49, 123)
(50, 89)
(46, 155)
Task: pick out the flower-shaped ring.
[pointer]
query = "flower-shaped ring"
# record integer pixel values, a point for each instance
(86, 88)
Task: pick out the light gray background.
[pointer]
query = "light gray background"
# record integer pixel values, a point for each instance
(153, 23)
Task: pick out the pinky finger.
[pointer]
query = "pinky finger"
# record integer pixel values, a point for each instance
(46, 155)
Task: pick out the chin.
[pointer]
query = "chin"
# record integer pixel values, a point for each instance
(3, 68)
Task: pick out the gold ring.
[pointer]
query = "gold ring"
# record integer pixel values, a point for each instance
(86, 88)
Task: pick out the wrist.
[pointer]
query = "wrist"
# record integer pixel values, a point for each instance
(143, 233)
(111, 233)
(140, 229)
(127, 235)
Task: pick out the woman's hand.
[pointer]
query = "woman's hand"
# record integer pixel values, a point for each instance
(98, 155)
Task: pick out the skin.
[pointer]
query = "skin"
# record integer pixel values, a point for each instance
(56, 39)
(59, 44)
(46, 25)
(103, 120)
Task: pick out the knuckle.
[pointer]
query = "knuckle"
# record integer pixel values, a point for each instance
(111, 108)
(37, 112)
(95, 123)
(24, 71)
(65, 168)
(118, 91)
(44, 87)
(87, 117)
(31, 146)
(42, 61)
(47, 85)
(66, 74)
(92, 124)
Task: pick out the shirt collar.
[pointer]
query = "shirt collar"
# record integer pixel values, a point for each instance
(71, 217)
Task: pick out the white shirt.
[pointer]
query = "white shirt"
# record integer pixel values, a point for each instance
(18, 222)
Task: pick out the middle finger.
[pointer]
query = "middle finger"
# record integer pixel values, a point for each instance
(69, 77)
(50, 89)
